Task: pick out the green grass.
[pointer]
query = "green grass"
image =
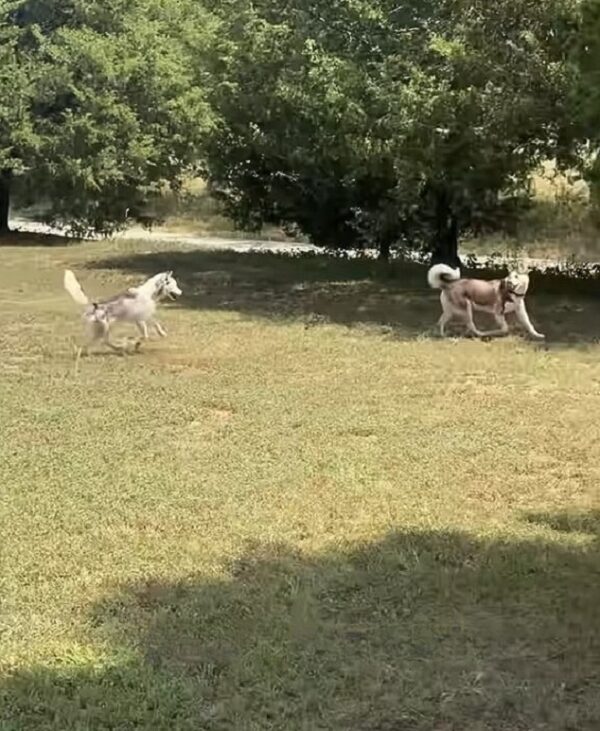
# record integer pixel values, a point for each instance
(300, 511)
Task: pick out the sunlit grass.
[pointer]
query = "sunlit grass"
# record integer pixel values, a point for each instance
(302, 510)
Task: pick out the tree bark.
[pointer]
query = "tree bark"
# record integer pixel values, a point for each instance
(4, 200)
(445, 243)
(384, 249)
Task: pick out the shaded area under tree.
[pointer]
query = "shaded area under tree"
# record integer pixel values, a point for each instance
(319, 289)
(419, 631)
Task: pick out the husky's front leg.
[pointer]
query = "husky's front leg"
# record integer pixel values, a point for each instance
(521, 315)
(502, 325)
(159, 328)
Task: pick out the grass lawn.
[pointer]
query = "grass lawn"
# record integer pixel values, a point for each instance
(301, 511)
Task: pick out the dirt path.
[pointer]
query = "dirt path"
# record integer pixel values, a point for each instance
(244, 244)
(159, 234)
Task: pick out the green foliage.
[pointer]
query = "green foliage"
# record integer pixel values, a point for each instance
(110, 104)
(377, 122)
(586, 102)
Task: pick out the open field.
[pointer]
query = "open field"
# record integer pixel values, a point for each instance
(301, 511)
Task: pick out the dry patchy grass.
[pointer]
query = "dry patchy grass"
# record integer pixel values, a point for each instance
(300, 511)
(561, 222)
(193, 211)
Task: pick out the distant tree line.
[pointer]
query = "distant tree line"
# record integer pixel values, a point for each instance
(359, 123)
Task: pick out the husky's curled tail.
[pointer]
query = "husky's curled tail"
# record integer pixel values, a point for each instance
(441, 275)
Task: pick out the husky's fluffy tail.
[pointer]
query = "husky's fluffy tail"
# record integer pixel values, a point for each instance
(440, 275)
(74, 288)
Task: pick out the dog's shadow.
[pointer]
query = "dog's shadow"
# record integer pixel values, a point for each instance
(124, 348)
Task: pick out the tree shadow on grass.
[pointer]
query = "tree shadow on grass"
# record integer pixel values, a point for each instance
(28, 238)
(421, 631)
(318, 289)
(574, 522)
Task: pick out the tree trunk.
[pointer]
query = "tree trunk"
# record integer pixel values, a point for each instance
(445, 244)
(4, 200)
(384, 249)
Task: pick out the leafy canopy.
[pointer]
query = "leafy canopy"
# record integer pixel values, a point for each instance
(376, 122)
(102, 102)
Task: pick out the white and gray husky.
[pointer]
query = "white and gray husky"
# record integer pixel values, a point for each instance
(136, 305)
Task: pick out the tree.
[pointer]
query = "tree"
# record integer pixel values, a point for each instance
(586, 97)
(385, 123)
(102, 104)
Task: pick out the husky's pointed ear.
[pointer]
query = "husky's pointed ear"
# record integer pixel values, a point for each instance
(170, 273)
